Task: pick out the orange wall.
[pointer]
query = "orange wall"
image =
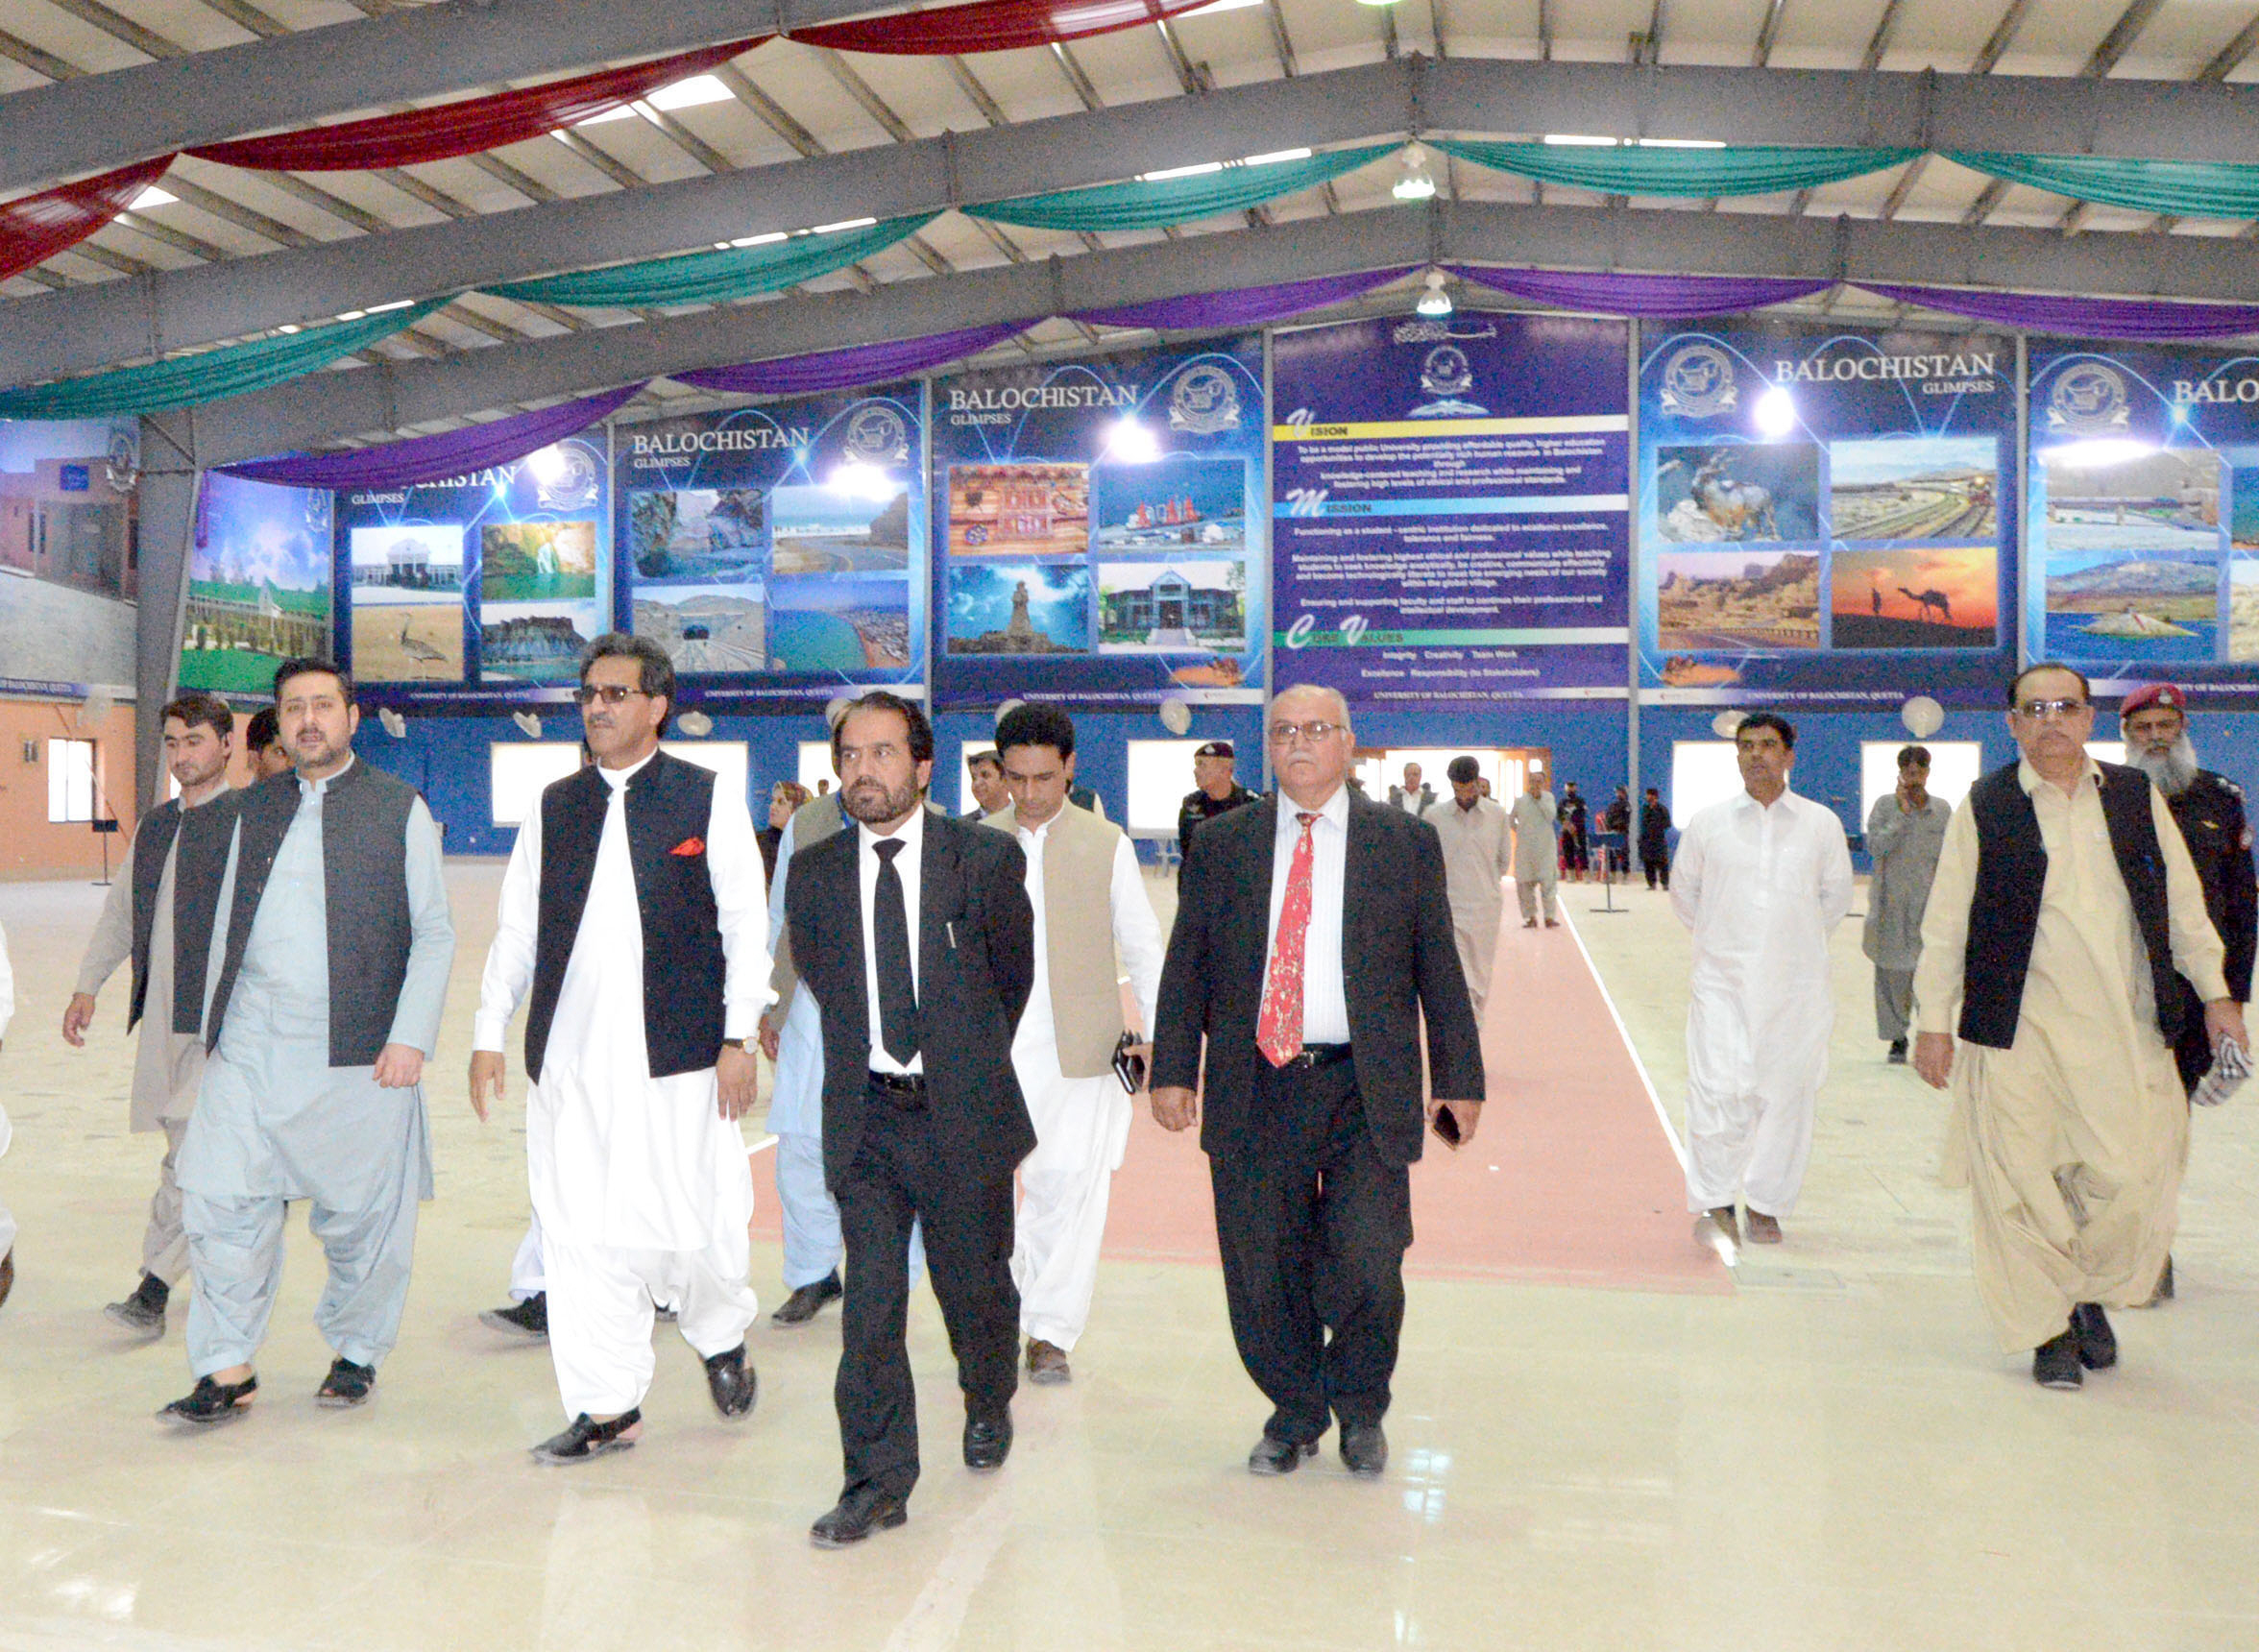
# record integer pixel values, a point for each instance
(30, 846)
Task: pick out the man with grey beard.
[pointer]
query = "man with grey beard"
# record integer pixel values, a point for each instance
(2209, 810)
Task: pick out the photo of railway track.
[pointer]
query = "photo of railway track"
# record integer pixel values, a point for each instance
(1915, 487)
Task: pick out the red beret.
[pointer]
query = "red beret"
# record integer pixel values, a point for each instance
(2153, 694)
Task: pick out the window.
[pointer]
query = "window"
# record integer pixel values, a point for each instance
(1703, 773)
(1160, 774)
(1954, 767)
(521, 769)
(816, 764)
(70, 780)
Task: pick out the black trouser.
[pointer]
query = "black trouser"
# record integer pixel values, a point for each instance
(897, 1178)
(1313, 1224)
(1658, 868)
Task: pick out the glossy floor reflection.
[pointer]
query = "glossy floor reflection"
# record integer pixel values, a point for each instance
(1829, 1457)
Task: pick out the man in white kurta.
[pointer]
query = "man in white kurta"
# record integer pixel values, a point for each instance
(1536, 855)
(640, 1183)
(1761, 878)
(794, 1042)
(168, 1063)
(2070, 1138)
(1477, 855)
(1083, 885)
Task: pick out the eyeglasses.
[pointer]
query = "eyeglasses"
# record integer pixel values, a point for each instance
(2050, 711)
(610, 694)
(1316, 733)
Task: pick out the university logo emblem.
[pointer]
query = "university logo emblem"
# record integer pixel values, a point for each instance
(875, 435)
(574, 484)
(1445, 372)
(1698, 382)
(1204, 401)
(2088, 400)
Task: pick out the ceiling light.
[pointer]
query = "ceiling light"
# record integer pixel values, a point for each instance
(1681, 143)
(1435, 302)
(1575, 140)
(842, 224)
(396, 304)
(150, 197)
(1132, 443)
(1415, 184)
(691, 93)
(547, 465)
(1168, 172)
(759, 240)
(350, 315)
(1277, 156)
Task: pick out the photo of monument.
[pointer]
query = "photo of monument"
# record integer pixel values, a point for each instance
(1019, 608)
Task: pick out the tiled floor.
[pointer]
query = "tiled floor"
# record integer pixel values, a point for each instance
(1831, 1456)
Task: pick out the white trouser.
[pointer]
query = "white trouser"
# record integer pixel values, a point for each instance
(527, 1277)
(1476, 935)
(1755, 1144)
(7, 1217)
(600, 1308)
(1526, 893)
(1082, 1127)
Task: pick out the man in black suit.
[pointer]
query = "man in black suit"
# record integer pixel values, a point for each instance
(914, 933)
(1311, 1009)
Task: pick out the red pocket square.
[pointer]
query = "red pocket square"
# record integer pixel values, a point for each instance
(689, 846)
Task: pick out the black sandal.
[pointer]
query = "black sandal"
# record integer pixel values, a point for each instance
(585, 1440)
(211, 1403)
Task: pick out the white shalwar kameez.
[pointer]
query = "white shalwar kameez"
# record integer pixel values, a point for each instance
(1081, 1125)
(641, 1187)
(1761, 887)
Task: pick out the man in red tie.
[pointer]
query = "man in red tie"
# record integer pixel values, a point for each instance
(1311, 1009)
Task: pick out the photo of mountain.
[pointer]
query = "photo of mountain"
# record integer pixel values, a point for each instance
(2160, 604)
(1738, 599)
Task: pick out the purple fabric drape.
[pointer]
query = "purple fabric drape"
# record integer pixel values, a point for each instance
(434, 458)
(1651, 298)
(843, 369)
(1246, 307)
(2083, 318)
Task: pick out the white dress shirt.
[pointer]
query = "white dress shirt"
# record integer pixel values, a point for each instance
(1325, 1006)
(911, 835)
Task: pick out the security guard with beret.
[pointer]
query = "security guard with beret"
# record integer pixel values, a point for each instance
(1218, 792)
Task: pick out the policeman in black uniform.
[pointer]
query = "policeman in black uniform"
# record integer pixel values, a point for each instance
(2209, 809)
(1218, 792)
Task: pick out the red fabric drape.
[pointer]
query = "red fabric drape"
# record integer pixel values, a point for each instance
(990, 26)
(34, 228)
(467, 128)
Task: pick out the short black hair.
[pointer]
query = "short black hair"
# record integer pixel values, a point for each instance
(984, 758)
(1655, 791)
(1915, 756)
(307, 666)
(2016, 682)
(655, 669)
(921, 732)
(1463, 771)
(1036, 724)
(1773, 721)
(265, 729)
(198, 709)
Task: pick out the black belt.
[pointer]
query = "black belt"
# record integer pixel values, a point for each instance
(899, 1083)
(1316, 1055)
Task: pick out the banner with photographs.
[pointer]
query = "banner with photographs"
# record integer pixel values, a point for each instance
(479, 584)
(259, 575)
(2145, 518)
(1450, 503)
(69, 536)
(775, 551)
(1097, 534)
(1827, 518)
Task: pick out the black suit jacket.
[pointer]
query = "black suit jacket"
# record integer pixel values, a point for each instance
(976, 952)
(1397, 962)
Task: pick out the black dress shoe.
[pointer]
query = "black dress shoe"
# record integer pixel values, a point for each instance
(211, 1403)
(808, 1301)
(144, 1310)
(730, 1380)
(988, 1440)
(585, 1440)
(2098, 1343)
(1898, 1052)
(347, 1384)
(1364, 1448)
(529, 1318)
(859, 1514)
(1272, 1455)
(2054, 1363)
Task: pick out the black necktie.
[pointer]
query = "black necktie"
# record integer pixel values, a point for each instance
(898, 1028)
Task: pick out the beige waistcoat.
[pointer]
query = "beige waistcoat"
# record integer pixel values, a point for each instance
(1079, 965)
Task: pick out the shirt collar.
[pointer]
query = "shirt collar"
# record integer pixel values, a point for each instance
(1336, 809)
(1788, 791)
(2031, 780)
(911, 834)
(1039, 834)
(310, 787)
(617, 778)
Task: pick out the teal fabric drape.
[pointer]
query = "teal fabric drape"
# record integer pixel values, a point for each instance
(188, 381)
(1172, 201)
(1696, 174)
(718, 277)
(2184, 188)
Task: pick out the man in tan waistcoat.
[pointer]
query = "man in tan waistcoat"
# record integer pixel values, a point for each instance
(1083, 882)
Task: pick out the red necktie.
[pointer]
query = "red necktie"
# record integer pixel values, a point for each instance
(1279, 1033)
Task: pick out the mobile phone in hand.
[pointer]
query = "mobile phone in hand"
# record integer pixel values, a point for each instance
(1446, 1125)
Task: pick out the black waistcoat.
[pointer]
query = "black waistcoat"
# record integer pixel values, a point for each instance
(669, 803)
(364, 894)
(2011, 875)
(153, 846)
(206, 828)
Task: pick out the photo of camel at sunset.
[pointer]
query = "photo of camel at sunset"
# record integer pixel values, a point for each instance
(1933, 596)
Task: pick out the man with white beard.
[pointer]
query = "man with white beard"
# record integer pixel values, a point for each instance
(2209, 810)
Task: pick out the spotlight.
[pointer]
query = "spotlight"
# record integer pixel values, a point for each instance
(1415, 184)
(1131, 443)
(1776, 413)
(547, 464)
(1435, 301)
(861, 481)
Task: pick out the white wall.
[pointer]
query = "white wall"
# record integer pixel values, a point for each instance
(519, 769)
